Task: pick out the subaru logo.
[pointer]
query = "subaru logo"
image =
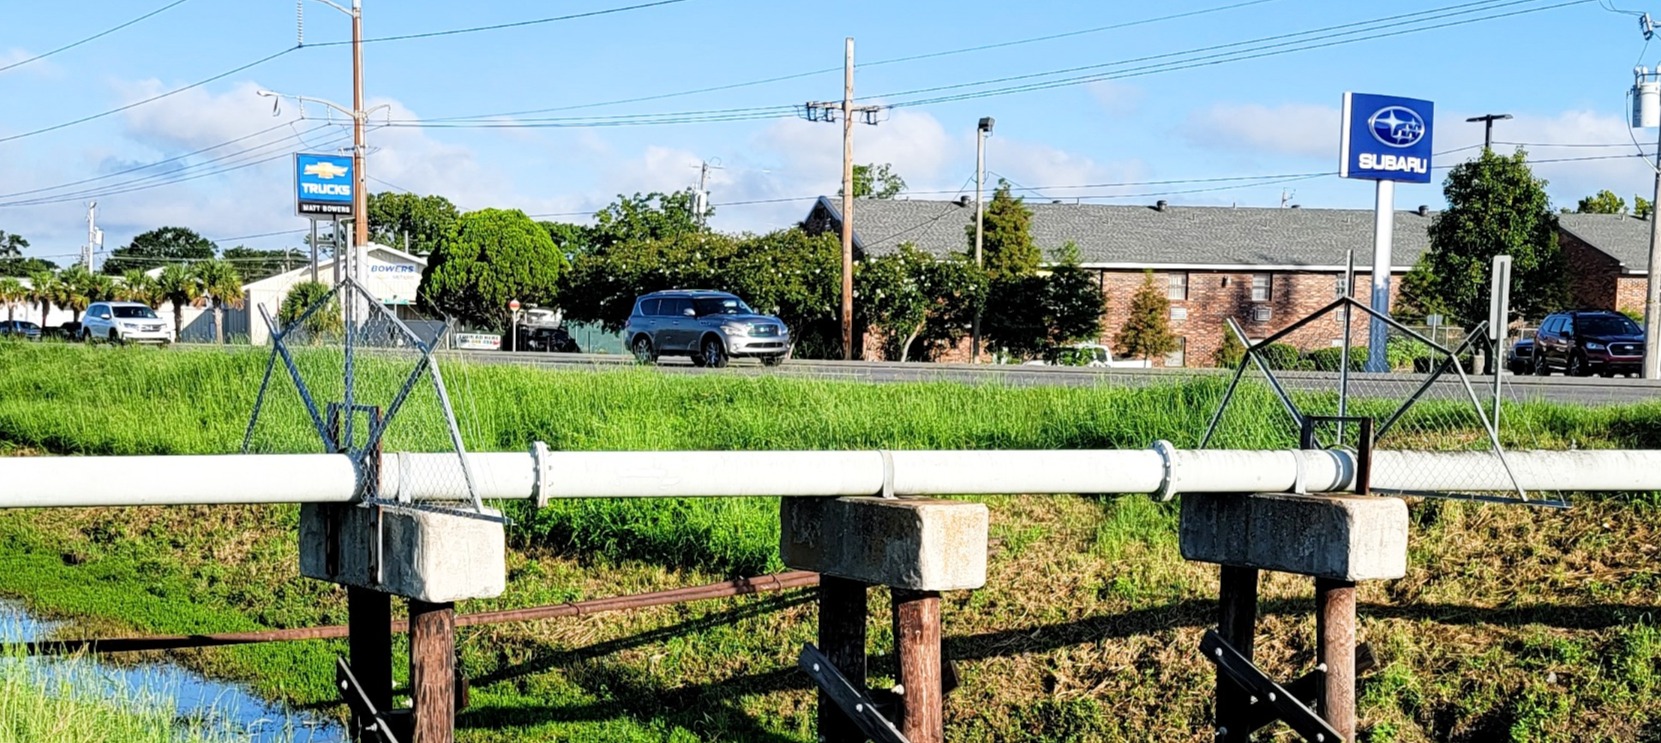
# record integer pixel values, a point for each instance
(1397, 126)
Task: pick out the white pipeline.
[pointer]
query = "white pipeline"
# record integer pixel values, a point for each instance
(27, 482)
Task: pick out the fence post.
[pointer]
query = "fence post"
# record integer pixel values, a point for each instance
(1237, 625)
(1335, 652)
(842, 612)
(917, 647)
(432, 670)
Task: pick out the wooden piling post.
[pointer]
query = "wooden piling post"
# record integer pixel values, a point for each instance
(917, 646)
(1335, 652)
(369, 646)
(432, 664)
(1237, 625)
(842, 611)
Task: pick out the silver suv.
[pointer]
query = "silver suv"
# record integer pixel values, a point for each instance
(711, 327)
(124, 322)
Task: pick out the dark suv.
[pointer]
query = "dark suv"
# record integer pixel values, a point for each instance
(1586, 341)
(711, 327)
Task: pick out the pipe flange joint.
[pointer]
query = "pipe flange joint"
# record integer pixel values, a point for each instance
(887, 473)
(1167, 479)
(539, 483)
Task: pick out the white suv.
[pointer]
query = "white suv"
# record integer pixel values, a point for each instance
(124, 322)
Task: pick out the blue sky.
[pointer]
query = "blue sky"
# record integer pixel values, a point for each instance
(1561, 71)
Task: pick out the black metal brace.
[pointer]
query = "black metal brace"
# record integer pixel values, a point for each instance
(1285, 704)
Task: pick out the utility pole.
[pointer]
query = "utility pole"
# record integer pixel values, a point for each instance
(982, 131)
(93, 235)
(1646, 112)
(1488, 128)
(830, 112)
(700, 200)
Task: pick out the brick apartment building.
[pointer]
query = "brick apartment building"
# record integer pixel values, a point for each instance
(1266, 268)
(1608, 256)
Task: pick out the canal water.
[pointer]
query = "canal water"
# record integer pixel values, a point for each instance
(228, 707)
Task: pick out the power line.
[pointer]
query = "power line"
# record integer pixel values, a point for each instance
(1239, 55)
(151, 99)
(501, 26)
(93, 37)
(877, 63)
(254, 237)
(141, 167)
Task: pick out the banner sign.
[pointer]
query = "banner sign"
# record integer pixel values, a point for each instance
(1385, 138)
(323, 186)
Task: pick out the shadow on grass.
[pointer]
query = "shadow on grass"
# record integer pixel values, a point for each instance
(714, 706)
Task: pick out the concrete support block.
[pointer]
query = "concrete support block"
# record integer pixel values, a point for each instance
(1346, 538)
(916, 543)
(431, 557)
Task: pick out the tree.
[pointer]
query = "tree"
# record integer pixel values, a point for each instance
(1417, 298)
(1603, 202)
(423, 220)
(488, 258)
(1642, 207)
(12, 293)
(326, 322)
(1007, 245)
(1495, 206)
(1231, 352)
(917, 301)
(11, 246)
(639, 219)
(571, 239)
(1147, 331)
(219, 283)
(876, 182)
(43, 289)
(178, 284)
(138, 286)
(25, 266)
(1028, 315)
(77, 288)
(159, 247)
(254, 264)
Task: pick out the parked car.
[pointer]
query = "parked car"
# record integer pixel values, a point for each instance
(68, 331)
(124, 322)
(541, 330)
(708, 326)
(19, 329)
(1584, 342)
(1087, 354)
(1520, 359)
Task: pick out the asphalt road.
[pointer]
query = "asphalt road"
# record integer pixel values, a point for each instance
(1580, 391)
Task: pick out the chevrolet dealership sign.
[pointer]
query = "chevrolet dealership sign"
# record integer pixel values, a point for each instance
(1385, 138)
(323, 186)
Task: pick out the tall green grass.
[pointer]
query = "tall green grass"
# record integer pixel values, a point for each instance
(73, 703)
(78, 400)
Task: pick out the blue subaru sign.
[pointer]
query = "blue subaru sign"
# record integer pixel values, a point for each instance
(323, 185)
(1385, 138)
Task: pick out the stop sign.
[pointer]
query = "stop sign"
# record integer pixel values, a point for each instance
(513, 304)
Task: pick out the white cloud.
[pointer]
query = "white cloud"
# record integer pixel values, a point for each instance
(1568, 172)
(1117, 98)
(1301, 129)
(41, 68)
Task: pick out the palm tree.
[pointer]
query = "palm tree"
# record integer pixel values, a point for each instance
(138, 286)
(12, 292)
(43, 289)
(178, 284)
(220, 283)
(76, 290)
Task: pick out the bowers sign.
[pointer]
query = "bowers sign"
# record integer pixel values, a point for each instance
(1385, 138)
(323, 185)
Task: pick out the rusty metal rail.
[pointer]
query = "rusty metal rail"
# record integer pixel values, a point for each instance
(725, 589)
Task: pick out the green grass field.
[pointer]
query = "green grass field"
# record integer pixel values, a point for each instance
(1513, 624)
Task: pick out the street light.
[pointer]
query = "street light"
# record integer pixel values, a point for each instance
(982, 131)
(1488, 128)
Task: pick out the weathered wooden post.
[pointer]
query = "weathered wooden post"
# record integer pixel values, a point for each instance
(1339, 541)
(916, 547)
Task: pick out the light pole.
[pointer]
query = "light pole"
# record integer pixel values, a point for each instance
(1488, 128)
(982, 131)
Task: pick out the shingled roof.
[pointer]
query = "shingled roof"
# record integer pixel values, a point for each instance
(1113, 236)
(1624, 238)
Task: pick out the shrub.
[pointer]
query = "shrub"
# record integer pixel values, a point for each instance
(1329, 359)
(1281, 356)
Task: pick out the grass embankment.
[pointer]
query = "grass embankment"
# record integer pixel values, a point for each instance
(1513, 623)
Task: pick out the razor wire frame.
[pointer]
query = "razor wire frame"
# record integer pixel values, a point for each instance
(1348, 304)
(426, 363)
